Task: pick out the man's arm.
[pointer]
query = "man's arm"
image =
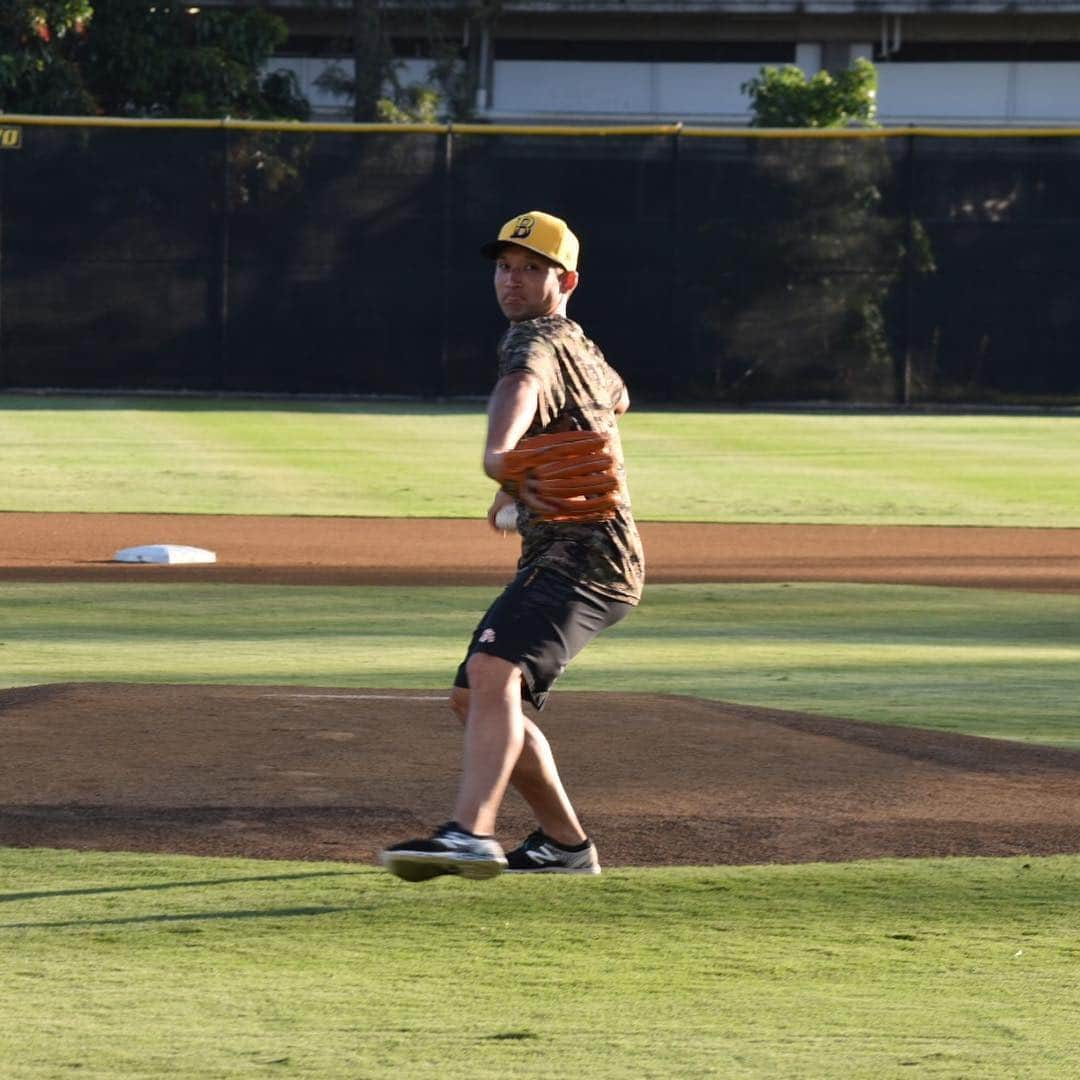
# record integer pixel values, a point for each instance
(510, 412)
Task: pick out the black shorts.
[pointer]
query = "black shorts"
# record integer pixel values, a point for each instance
(540, 622)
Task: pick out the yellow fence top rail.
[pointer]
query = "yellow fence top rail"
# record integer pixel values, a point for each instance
(560, 130)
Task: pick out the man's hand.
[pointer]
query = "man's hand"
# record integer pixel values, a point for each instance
(502, 500)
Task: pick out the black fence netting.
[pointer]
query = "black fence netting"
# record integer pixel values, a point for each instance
(110, 259)
(730, 267)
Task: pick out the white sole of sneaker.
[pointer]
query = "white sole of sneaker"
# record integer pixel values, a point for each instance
(591, 871)
(423, 865)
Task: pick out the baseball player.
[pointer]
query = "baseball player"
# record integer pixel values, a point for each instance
(581, 568)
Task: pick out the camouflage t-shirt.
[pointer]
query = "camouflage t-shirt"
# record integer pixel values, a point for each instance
(579, 391)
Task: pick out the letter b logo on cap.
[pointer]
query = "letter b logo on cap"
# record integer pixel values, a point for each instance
(523, 228)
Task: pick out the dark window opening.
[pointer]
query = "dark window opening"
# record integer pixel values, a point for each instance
(700, 52)
(985, 52)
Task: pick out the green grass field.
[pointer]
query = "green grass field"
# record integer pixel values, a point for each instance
(205, 456)
(985, 663)
(137, 966)
(144, 966)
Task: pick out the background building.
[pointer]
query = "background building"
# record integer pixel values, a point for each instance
(969, 62)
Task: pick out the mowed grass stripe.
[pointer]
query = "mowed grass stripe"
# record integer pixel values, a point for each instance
(408, 460)
(998, 664)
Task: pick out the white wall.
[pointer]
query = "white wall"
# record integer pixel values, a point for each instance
(973, 93)
(560, 88)
(978, 93)
(1047, 92)
(983, 93)
(940, 91)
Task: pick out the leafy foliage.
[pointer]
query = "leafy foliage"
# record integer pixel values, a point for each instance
(372, 82)
(38, 40)
(787, 97)
(412, 105)
(819, 262)
(456, 70)
(174, 61)
(821, 271)
(130, 58)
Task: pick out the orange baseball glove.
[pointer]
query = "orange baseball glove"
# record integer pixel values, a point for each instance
(566, 476)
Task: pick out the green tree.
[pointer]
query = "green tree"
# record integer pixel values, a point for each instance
(172, 60)
(819, 255)
(457, 69)
(131, 58)
(373, 58)
(38, 39)
(786, 97)
(373, 68)
(413, 104)
(373, 84)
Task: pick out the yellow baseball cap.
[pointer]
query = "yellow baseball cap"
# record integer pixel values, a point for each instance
(543, 233)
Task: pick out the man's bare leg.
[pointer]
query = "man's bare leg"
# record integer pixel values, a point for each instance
(535, 776)
(494, 736)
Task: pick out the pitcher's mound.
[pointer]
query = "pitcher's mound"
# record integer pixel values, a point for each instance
(277, 772)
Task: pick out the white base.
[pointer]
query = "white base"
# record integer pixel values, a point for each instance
(165, 553)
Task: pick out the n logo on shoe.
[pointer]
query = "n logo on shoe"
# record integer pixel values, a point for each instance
(543, 855)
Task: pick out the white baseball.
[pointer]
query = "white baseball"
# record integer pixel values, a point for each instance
(506, 518)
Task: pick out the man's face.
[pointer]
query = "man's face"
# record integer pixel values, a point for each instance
(526, 284)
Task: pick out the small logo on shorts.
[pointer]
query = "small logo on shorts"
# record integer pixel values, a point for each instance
(487, 637)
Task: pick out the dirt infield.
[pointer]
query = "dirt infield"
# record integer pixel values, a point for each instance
(280, 772)
(364, 551)
(275, 772)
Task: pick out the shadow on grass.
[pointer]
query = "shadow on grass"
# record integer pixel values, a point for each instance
(44, 894)
(203, 916)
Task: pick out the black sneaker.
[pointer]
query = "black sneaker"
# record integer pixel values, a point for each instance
(539, 854)
(451, 850)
